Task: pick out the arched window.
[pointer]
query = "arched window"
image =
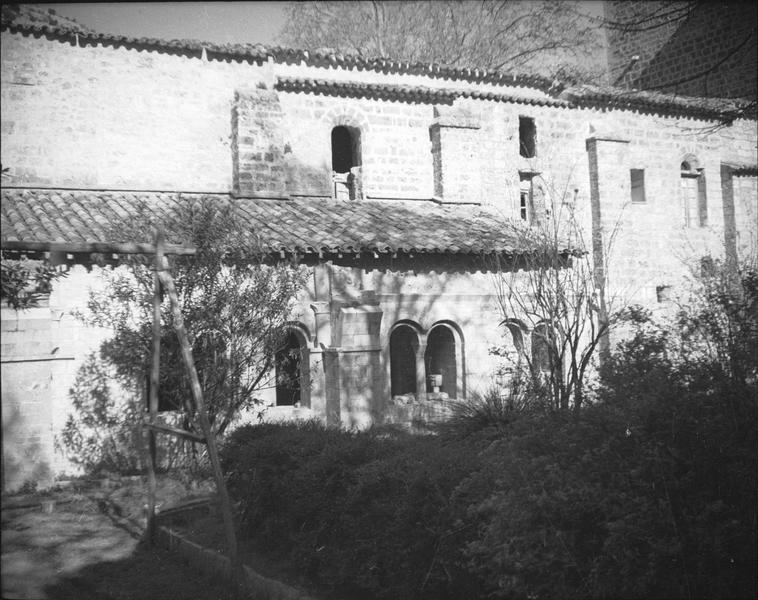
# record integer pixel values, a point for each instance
(403, 347)
(346, 162)
(440, 359)
(542, 359)
(694, 199)
(291, 365)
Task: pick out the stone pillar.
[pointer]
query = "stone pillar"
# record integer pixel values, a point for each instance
(258, 161)
(455, 150)
(421, 370)
(730, 225)
(332, 385)
(610, 190)
(323, 319)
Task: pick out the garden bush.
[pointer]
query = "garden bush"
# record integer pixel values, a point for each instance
(648, 492)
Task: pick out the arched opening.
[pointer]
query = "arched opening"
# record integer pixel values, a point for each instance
(542, 359)
(291, 365)
(346, 162)
(440, 359)
(694, 198)
(403, 347)
(345, 148)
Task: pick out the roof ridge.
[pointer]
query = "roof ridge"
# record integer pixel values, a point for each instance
(718, 108)
(289, 55)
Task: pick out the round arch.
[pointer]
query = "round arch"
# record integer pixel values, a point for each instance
(404, 345)
(445, 355)
(292, 367)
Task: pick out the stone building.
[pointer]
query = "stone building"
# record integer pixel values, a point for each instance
(395, 183)
(689, 48)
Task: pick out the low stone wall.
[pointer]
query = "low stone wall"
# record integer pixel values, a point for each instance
(418, 413)
(215, 564)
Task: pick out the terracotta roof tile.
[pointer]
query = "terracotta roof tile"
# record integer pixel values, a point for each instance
(646, 100)
(304, 226)
(403, 93)
(655, 102)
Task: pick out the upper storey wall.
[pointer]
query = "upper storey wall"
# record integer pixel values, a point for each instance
(117, 118)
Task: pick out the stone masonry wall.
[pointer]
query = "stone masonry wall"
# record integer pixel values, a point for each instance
(712, 52)
(114, 118)
(643, 40)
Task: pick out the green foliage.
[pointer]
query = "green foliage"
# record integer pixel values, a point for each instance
(648, 492)
(24, 282)
(366, 514)
(104, 432)
(234, 305)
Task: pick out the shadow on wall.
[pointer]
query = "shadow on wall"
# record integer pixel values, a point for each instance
(25, 463)
(417, 300)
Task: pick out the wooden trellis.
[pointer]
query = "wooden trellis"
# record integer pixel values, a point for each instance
(163, 280)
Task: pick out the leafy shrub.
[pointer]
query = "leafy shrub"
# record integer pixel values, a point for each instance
(648, 492)
(104, 431)
(364, 513)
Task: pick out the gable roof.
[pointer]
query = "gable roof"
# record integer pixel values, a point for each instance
(80, 221)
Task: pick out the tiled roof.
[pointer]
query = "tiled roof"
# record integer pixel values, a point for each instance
(741, 169)
(403, 93)
(657, 102)
(259, 52)
(586, 95)
(34, 217)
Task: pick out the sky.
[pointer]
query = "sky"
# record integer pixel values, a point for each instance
(221, 22)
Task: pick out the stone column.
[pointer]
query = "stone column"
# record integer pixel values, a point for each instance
(610, 190)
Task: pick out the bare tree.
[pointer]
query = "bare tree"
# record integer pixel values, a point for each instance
(548, 38)
(555, 303)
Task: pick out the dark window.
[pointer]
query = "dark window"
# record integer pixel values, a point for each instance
(440, 360)
(638, 185)
(346, 163)
(289, 361)
(542, 361)
(403, 345)
(345, 149)
(527, 135)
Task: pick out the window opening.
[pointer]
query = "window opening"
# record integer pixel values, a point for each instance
(525, 199)
(289, 362)
(527, 135)
(346, 161)
(440, 360)
(403, 346)
(542, 362)
(694, 196)
(638, 185)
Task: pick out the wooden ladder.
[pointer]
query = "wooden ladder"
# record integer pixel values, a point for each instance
(162, 279)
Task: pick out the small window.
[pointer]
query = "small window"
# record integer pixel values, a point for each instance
(638, 185)
(526, 209)
(527, 135)
(663, 293)
(693, 196)
(346, 162)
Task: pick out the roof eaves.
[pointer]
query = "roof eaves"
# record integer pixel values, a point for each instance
(259, 53)
(404, 93)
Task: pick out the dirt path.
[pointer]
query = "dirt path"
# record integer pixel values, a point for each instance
(77, 552)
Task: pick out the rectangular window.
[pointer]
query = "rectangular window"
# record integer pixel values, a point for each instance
(527, 137)
(638, 185)
(525, 198)
(694, 199)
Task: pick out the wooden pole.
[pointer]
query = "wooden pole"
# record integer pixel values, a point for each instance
(197, 395)
(155, 368)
